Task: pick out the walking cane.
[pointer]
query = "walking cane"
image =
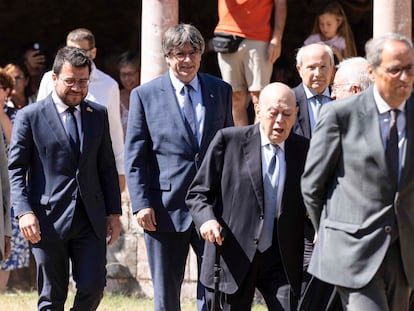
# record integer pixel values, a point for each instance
(216, 279)
(217, 269)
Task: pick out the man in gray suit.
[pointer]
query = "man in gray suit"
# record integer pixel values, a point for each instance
(358, 185)
(172, 120)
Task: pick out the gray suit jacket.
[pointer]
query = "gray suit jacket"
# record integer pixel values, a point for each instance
(45, 177)
(348, 197)
(161, 154)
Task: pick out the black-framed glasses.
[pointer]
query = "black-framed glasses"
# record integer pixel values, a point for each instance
(180, 55)
(397, 71)
(70, 82)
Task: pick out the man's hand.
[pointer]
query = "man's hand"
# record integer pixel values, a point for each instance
(274, 50)
(29, 226)
(113, 228)
(211, 232)
(35, 59)
(7, 247)
(146, 219)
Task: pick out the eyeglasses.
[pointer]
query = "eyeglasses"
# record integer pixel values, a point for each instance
(70, 82)
(87, 50)
(397, 71)
(182, 55)
(129, 74)
(336, 87)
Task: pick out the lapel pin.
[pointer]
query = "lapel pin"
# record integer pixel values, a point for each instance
(89, 109)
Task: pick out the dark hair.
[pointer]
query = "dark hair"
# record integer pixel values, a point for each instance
(181, 34)
(129, 58)
(74, 56)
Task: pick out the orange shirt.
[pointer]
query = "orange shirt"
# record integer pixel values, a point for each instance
(246, 18)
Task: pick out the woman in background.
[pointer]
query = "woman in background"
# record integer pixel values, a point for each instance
(129, 74)
(13, 82)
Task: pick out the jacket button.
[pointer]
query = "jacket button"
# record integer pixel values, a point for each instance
(256, 241)
(261, 217)
(388, 229)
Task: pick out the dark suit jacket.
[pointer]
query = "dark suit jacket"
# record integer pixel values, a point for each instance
(46, 179)
(229, 188)
(349, 198)
(302, 124)
(161, 155)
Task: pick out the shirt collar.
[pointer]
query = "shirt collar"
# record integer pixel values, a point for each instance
(178, 84)
(309, 93)
(382, 105)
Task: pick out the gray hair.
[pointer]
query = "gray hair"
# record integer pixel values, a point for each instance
(302, 51)
(375, 46)
(181, 34)
(355, 71)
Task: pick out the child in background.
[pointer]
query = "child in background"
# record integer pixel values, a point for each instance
(331, 27)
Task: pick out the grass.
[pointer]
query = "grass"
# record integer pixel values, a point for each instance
(27, 301)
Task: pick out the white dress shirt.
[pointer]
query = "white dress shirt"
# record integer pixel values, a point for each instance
(105, 91)
(196, 100)
(267, 154)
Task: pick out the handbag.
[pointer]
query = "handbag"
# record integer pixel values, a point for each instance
(225, 43)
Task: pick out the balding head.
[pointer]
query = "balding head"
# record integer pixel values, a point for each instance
(276, 111)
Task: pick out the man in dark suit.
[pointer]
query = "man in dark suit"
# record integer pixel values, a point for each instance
(358, 185)
(263, 244)
(172, 120)
(316, 66)
(64, 186)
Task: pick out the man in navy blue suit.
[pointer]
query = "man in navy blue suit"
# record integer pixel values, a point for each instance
(64, 186)
(172, 120)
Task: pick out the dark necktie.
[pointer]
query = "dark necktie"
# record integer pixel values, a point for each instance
(391, 150)
(72, 131)
(270, 184)
(189, 110)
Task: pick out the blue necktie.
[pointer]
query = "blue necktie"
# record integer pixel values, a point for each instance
(72, 131)
(189, 110)
(270, 184)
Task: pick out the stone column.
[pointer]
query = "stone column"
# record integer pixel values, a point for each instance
(392, 16)
(157, 17)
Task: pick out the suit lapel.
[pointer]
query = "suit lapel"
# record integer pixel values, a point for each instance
(54, 121)
(87, 116)
(368, 115)
(209, 104)
(303, 117)
(252, 152)
(172, 108)
(407, 167)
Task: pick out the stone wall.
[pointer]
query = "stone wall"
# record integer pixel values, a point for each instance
(128, 269)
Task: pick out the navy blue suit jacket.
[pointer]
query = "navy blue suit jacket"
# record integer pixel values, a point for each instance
(47, 180)
(161, 155)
